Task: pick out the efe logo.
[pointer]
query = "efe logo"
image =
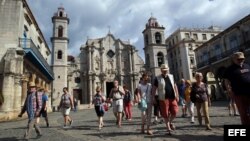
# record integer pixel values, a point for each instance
(236, 132)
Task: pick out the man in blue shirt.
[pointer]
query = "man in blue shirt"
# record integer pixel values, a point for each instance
(43, 111)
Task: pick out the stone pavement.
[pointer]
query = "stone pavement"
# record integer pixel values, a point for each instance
(85, 127)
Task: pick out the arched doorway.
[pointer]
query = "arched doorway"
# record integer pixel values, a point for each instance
(213, 92)
(109, 86)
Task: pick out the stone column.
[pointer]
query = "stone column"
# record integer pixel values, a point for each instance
(11, 90)
(92, 58)
(69, 84)
(39, 84)
(101, 63)
(24, 89)
(90, 90)
(93, 87)
(43, 84)
(133, 60)
(33, 77)
(119, 65)
(8, 93)
(86, 93)
(122, 78)
(89, 59)
(46, 88)
(18, 94)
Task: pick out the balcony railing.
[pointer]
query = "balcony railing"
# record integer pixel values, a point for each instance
(217, 57)
(245, 45)
(29, 44)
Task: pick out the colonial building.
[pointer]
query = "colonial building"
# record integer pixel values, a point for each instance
(105, 59)
(215, 55)
(59, 54)
(24, 56)
(181, 45)
(154, 46)
(74, 78)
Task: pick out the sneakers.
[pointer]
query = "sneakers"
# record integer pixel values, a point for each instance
(47, 124)
(162, 121)
(100, 126)
(192, 120)
(155, 122)
(39, 136)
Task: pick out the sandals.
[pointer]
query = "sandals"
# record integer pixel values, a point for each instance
(149, 132)
(169, 132)
(102, 124)
(172, 126)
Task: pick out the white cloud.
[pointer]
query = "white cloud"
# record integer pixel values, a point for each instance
(127, 18)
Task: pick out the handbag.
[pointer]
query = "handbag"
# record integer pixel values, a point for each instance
(143, 104)
(106, 107)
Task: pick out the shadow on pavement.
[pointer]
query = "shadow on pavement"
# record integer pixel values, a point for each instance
(9, 139)
(187, 137)
(112, 134)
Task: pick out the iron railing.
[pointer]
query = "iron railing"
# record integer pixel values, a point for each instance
(29, 44)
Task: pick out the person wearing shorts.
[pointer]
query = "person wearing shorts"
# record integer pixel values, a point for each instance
(98, 101)
(43, 111)
(168, 96)
(116, 97)
(66, 104)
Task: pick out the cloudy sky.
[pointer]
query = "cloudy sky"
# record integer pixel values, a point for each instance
(127, 18)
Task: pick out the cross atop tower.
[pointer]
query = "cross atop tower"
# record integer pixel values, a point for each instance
(109, 29)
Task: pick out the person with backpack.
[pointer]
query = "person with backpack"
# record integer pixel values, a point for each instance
(116, 97)
(32, 106)
(145, 102)
(65, 106)
(99, 101)
(127, 101)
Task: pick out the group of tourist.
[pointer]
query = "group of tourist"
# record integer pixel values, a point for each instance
(163, 94)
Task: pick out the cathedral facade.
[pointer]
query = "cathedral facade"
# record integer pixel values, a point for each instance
(100, 62)
(106, 59)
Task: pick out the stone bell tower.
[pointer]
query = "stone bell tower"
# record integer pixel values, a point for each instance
(154, 46)
(60, 42)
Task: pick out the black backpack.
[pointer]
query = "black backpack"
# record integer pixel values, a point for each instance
(127, 96)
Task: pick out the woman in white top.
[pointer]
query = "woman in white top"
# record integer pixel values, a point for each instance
(145, 101)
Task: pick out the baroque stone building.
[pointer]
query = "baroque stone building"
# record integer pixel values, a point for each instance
(181, 45)
(24, 56)
(59, 65)
(154, 46)
(105, 59)
(214, 56)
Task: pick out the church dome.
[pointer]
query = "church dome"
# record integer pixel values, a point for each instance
(152, 22)
(60, 12)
